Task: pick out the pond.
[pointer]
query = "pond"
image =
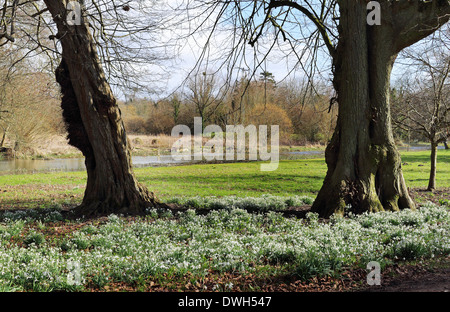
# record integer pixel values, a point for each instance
(74, 164)
(77, 164)
(418, 147)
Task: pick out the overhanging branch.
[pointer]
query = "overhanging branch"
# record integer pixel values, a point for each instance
(311, 16)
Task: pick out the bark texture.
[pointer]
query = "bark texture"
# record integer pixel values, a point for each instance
(433, 162)
(364, 165)
(94, 124)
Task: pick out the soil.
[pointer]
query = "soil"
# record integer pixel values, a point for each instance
(437, 196)
(416, 278)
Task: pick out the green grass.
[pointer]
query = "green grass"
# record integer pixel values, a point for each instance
(240, 179)
(293, 177)
(416, 168)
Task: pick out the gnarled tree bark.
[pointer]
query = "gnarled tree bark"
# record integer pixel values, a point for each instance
(94, 124)
(364, 165)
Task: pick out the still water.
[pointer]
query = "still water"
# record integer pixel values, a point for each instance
(74, 164)
(77, 164)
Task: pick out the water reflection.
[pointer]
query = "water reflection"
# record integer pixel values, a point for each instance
(73, 164)
(69, 164)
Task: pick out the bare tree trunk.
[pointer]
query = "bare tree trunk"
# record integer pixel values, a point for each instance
(95, 125)
(364, 166)
(433, 158)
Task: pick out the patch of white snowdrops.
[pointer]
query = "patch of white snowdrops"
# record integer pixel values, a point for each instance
(226, 239)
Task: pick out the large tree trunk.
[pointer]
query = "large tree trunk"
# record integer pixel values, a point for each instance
(433, 159)
(364, 165)
(94, 124)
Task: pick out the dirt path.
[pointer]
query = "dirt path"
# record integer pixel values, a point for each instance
(421, 278)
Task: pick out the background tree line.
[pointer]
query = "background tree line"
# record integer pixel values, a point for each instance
(29, 105)
(301, 112)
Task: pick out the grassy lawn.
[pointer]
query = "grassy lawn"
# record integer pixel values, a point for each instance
(293, 177)
(224, 250)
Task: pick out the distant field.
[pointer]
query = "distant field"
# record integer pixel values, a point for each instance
(293, 177)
